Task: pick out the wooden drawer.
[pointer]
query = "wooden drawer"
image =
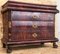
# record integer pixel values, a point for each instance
(18, 26)
(31, 16)
(28, 35)
(24, 36)
(32, 23)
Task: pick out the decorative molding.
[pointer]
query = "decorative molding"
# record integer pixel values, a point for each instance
(13, 5)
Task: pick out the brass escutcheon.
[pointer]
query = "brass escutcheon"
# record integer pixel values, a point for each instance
(34, 17)
(34, 26)
(34, 35)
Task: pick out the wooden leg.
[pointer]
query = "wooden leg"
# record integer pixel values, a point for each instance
(8, 49)
(4, 46)
(42, 44)
(55, 45)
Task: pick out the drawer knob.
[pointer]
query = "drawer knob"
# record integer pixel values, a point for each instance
(34, 35)
(34, 26)
(34, 17)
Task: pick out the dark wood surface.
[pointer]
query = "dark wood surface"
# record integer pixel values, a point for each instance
(12, 5)
(25, 23)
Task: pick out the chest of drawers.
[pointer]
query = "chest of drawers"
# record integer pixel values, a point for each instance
(28, 24)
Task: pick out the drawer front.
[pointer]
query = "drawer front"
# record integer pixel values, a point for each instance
(24, 36)
(23, 31)
(32, 23)
(46, 33)
(31, 16)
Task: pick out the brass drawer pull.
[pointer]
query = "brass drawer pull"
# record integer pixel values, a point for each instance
(34, 26)
(34, 17)
(34, 35)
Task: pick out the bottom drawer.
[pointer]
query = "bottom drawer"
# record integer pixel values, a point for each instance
(31, 35)
(24, 36)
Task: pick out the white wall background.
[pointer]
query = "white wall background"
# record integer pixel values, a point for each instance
(58, 20)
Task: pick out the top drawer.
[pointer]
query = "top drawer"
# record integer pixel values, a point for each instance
(31, 16)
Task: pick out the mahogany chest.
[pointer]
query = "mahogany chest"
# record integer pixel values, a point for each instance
(28, 24)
